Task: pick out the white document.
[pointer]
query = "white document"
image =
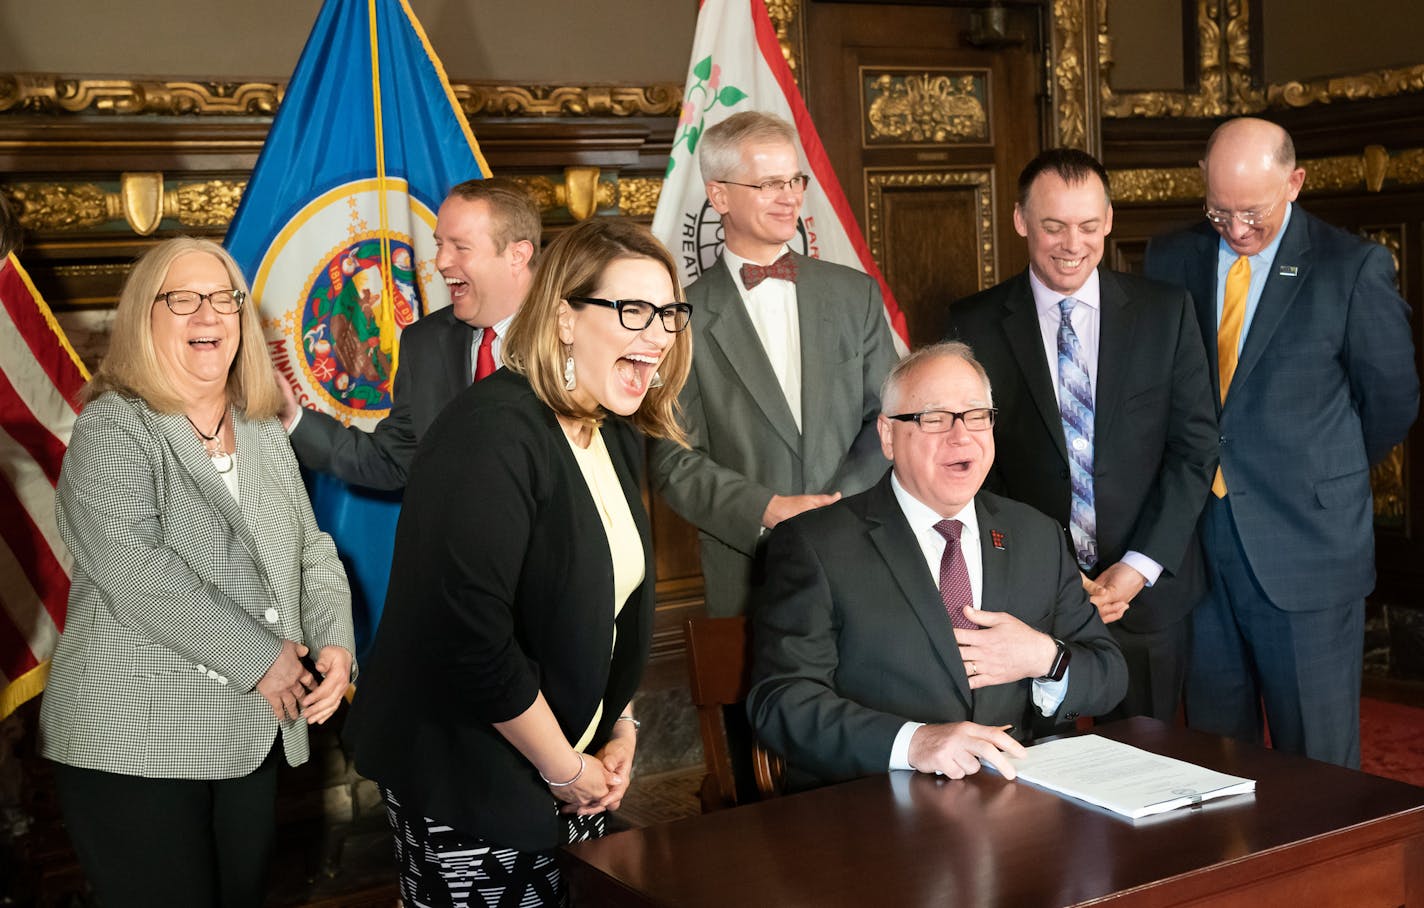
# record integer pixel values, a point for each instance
(1123, 778)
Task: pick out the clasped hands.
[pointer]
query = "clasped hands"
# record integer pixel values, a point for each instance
(292, 691)
(1114, 590)
(604, 778)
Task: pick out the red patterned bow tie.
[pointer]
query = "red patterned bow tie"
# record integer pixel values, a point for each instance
(783, 268)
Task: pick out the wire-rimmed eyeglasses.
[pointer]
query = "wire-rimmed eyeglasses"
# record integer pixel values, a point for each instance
(796, 185)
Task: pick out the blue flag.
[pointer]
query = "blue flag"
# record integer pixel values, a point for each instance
(336, 237)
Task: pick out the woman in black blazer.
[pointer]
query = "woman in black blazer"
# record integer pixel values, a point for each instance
(495, 711)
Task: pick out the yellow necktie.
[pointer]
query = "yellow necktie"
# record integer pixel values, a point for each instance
(1228, 337)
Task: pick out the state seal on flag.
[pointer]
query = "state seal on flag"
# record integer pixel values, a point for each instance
(334, 296)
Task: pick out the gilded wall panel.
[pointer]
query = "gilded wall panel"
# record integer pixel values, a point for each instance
(901, 106)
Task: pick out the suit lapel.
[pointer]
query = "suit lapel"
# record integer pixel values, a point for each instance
(1025, 339)
(993, 593)
(1116, 320)
(817, 342)
(730, 330)
(1276, 296)
(1203, 290)
(896, 543)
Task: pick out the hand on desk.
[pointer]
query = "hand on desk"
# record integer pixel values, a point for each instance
(1003, 649)
(784, 507)
(954, 749)
(1116, 588)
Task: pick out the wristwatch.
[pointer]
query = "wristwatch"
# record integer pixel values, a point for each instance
(1059, 668)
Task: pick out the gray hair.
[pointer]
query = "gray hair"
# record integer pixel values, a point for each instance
(943, 350)
(719, 150)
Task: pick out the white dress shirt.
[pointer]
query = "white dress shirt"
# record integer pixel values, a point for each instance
(1047, 695)
(1086, 319)
(775, 315)
(501, 328)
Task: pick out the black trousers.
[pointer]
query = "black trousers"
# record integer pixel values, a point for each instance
(197, 843)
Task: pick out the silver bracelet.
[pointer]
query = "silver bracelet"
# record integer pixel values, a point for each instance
(578, 775)
(636, 724)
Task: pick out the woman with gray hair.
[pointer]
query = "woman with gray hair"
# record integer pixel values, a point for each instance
(200, 582)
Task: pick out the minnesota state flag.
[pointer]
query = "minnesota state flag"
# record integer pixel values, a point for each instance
(335, 235)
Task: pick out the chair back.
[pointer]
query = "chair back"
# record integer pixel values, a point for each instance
(719, 666)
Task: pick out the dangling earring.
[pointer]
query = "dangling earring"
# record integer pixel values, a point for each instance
(569, 381)
(657, 381)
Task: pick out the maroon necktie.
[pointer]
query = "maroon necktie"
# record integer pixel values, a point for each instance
(954, 587)
(484, 357)
(783, 268)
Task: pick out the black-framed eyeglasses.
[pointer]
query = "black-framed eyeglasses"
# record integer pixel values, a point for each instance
(796, 185)
(934, 422)
(637, 315)
(186, 302)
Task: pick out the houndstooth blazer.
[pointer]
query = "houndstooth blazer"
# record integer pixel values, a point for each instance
(181, 596)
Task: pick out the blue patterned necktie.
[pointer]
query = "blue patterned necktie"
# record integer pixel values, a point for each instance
(1075, 408)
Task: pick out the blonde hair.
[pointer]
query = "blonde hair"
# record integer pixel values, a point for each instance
(513, 214)
(573, 265)
(131, 366)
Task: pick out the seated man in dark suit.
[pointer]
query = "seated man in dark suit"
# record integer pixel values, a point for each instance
(860, 664)
(487, 239)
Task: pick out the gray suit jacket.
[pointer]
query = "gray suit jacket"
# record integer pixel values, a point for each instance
(745, 446)
(181, 596)
(434, 367)
(851, 641)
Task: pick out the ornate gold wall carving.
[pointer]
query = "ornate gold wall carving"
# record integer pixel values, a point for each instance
(638, 196)
(62, 206)
(982, 181)
(1068, 77)
(785, 18)
(1371, 169)
(936, 107)
(55, 94)
(1225, 85)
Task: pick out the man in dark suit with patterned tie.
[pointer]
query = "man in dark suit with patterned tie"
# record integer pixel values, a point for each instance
(1106, 420)
(789, 353)
(487, 239)
(918, 624)
(1313, 377)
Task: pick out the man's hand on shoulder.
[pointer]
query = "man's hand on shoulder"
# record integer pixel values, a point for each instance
(784, 507)
(954, 749)
(1003, 649)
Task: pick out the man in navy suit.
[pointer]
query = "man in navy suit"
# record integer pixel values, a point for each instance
(1130, 487)
(1312, 367)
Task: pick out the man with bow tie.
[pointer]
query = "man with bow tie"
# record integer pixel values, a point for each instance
(920, 624)
(788, 356)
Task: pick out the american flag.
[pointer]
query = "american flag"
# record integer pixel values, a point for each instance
(40, 378)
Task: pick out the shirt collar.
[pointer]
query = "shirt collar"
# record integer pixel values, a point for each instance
(922, 517)
(1045, 299)
(1261, 261)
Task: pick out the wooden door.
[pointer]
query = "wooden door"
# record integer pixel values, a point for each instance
(928, 114)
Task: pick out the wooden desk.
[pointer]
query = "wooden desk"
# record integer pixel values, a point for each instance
(1312, 835)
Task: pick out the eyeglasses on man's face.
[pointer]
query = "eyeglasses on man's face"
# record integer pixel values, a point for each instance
(636, 315)
(934, 422)
(1255, 218)
(767, 188)
(186, 302)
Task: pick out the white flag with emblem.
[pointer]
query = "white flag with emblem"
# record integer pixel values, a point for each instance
(737, 65)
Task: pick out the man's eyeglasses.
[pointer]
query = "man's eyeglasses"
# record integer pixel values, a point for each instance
(638, 314)
(1222, 218)
(186, 302)
(934, 422)
(796, 185)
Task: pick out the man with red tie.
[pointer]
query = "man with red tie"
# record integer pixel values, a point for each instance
(920, 624)
(487, 239)
(789, 354)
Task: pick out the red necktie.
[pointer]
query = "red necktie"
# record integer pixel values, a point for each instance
(783, 268)
(484, 357)
(954, 587)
